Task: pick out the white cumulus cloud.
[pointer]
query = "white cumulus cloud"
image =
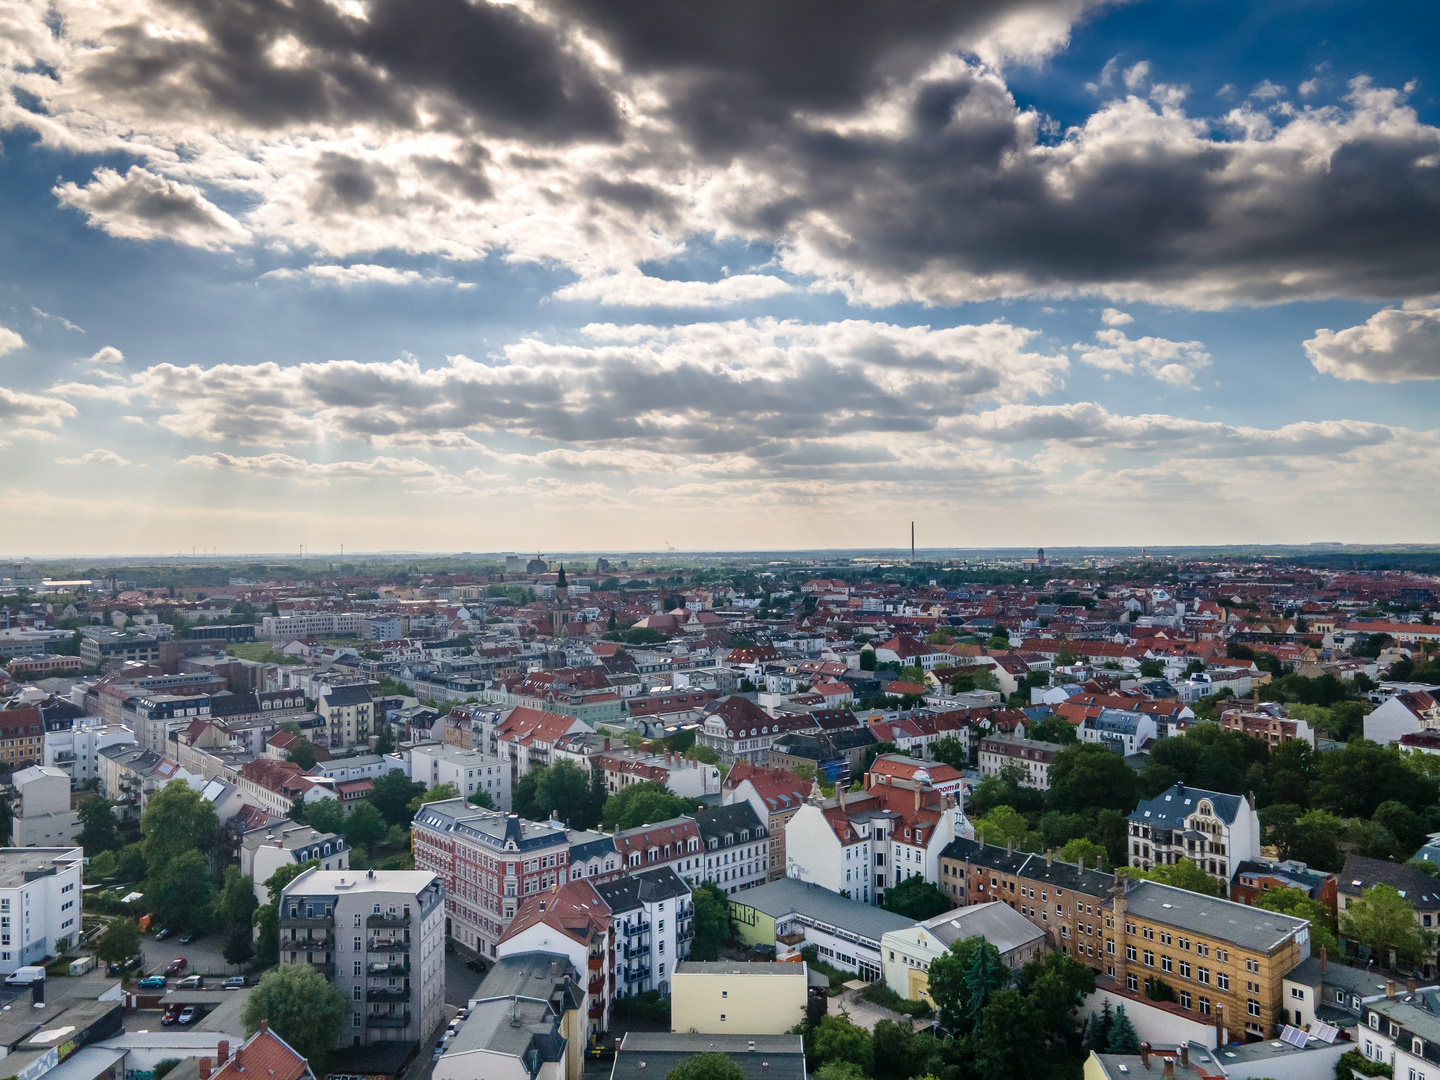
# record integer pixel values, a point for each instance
(1393, 345)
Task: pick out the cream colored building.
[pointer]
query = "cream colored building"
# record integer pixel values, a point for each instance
(726, 998)
(908, 953)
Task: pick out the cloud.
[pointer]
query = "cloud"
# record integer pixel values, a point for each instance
(1115, 317)
(1269, 91)
(24, 410)
(10, 341)
(1137, 76)
(359, 274)
(285, 466)
(1393, 345)
(108, 355)
(1174, 362)
(702, 387)
(634, 289)
(142, 205)
(94, 457)
(56, 318)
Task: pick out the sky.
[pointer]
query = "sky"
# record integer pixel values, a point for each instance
(449, 275)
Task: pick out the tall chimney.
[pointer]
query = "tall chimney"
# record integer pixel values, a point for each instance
(204, 1068)
(1323, 960)
(1081, 864)
(1169, 1069)
(1185, 1054)
(1410, 985)
(1145, 1054)
(917, 796)
(1389, 988)
(840, 790)
(1049, 855)
(912, 541)
(1009, 845)
(1219, 1025)
(980, 839)
(222, 1051)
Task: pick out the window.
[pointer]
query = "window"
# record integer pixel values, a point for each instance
(1184, 969)
(1204, 1006)
(1417, 1047)
(1130, 953)
(1185, 999)
(1166, 964)
(357, 944)
(722, 1018)
(1202, 975)
(1149, 958)
(359, 967)
(1375, 1021)
(1222, 981)
(1252, 1007)
(1252, 965)
(356, 993)
(1131, 983)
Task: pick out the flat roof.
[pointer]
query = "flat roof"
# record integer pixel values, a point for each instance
(16, 863)
(346, 882)
(1241, 925)
(647, 1055)
(789, 896)
(731, 967)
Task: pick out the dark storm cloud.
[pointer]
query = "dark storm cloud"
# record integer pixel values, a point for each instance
(490, 65)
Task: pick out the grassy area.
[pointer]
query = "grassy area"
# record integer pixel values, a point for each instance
(879, 994)
(260, 651)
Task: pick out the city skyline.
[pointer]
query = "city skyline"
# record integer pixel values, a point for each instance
(419, 278)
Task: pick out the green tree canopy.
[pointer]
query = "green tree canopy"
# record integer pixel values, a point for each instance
(917, 899)
(707, 1066)
(1122, 1039)
(1083, 846)
(119, 942)
(1385, 920)
(1005, 1044)
(1055, 729)
(950, 751)
(1356, 780)
(837, 1039)
(276, 882)
(713, 922)
(303, 1007)
(235, 903)
(1311, 836)
(98, 825)
(949, 987)
(176, 820)
(1055, 985)
(1006, 825)
(303, 754)
(181, 893)
(392, 797)
(325, 815)
(642, 804)
(1090, 776)
(1183, 874)
(364, 826)
(563, 789)
(239, 944)
(1289, 901)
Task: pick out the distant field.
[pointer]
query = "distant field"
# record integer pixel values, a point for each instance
(253, 650)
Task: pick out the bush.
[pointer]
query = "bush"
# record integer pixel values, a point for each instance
(811, 955)
(647, 1007)
(1352, 1061)
(880, 994)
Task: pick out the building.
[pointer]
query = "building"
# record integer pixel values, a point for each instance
(488, 861)
(1256, 876)
(1402, 1030)
(859, 845)
(22, 736)
(39, 903)
(593, 857)
(788, 914)
(527, 737)
(1226, 962)
(1295, 1056)
(263, 1054)
(1403, 714)
(314, 624)
(735, 847)
(737, 729)
(1069, 902)
(100, 646)
(380, 937)
(1123, 731)
(674, 843)
(688, 777)
(644, 1055)
(901, 770)
(1319, 992)
(434, 764)
(744, 999)
(1361, 874)
(348, 712)
(571, 920)
(1215, 831)
(525, 1022)
(43, 817)
(1266, 725)
(775, 796)
(264, 851)
(1032, 757)
(835, 756)
(654, 924)
(909, 952)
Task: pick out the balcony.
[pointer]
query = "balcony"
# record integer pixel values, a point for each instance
(637, 928)
(388, 969)
(632, 951)
(387, 922)
(300, 922)
(388, 993)
(388, 1020)
(595, 962)
(597, 1011)
(596, 985)
(321, 941)
(685, 911)
(388, 944)
(636, 974)
(689, 932)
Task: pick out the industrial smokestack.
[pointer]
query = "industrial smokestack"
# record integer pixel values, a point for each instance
(912, 541)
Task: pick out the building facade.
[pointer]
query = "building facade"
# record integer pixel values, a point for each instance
(1214, 830)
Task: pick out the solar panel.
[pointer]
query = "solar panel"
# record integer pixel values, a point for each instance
(1325, 1033)
(1294, 1036)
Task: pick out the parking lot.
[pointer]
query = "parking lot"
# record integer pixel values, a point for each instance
(206, 956)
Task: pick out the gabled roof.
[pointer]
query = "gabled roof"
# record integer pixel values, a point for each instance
(344, 696)
(717, 822)
(1362, 874)
(644, 887)
(1169, 807)
(574, 909)
(265, 1056)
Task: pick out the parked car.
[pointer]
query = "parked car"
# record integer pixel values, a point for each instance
(153, 981)
(162, 933)
(171, 1014)
(133, 964)
(439, 1053)
(187, 1014)
(191, 982)
(112, 969)
(235, 982)
(474, 965)
(190, 935)
(178, 965)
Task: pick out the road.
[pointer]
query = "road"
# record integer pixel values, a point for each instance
(460, 986)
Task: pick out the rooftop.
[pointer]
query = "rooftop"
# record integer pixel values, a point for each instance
(789, 896)
(1243, 926)
(337, 882)
(19, 865)
(649, 1055)
(730, 967)
(1167, 808)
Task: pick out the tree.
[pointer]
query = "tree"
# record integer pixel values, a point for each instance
(438, 793)
(1183, 874)
(1122, 1038)
(481, 798)
(1092, 852)
(1385, 920)
(303, 1007)
(235, 903)
(181, 893)
(642, 804)
(917, 899)
(119, 942)
(1055, 729)
(950, 751)
(983, 976)
(948, 987)
(392, 796)
(1005, 1043)
(325, 815)
(707, 1066)
(303, 754)
(837, 1039)
(276, 882)
(1006, 825)
(1354, 781)
(1312, 837)
(364, 826)
(1289, 901)
(713, 922)
(1056, 985)
(1090, 776)
(239, 944)
(875, 750)
(98, 825)
(267, 935)
(1152, 669)
(176, 820)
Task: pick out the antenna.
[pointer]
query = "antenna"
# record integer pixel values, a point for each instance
(912, 541)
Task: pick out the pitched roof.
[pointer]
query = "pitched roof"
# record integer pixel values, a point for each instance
(644, 887)
(575, 909)
(265, 1056)
(1179, 801)
(1362, 874)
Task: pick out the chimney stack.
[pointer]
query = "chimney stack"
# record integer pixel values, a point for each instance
(1323, 960)
(1389, 988)
(1049, 855)
(1009, 846)
(1185, 1054)
(222, 1051)
(1219, 1025)
(917, 796)
(1145, 1054)
(1410, 985)
(204, 1068)
(752, 1046)
(1169, 1069)
(980, 839)
(1081, 865)
(840, 790)
(607, 744)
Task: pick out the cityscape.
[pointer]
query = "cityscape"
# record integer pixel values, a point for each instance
(636, 540)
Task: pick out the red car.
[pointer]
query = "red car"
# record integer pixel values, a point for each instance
(171, 1014)
(178, 965)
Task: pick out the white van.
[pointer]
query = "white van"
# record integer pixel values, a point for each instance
(25, 976)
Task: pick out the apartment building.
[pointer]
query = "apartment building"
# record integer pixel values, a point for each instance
(727, 998)
(674, 843)
(735, 847)
(1268, 724)
(39, 903)
(1214, 830)
(22, 736)
(688, 777)
(264, 851)
(1401, 1029)
(1032, 756)
(775, 795)
(434, 764)
(737, 729)
(489, 861)
(348, 712)
(314, 624)
(100, 646)
(154, 717)
(1068, 901)
(573, 921)
(380, 937)
(654, 921)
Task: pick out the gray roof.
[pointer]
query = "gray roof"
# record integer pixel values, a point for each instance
(645, 887)
(717, 822)
(1340, 976)
(347, 695)
(1222, 920)
(651, 1055)
(1119, 721)
(19, 865)
(491, 827)
(588, 845)
(1361, 874)
(1061, 875)
(1167, 808)
(491, 1028)
(732, 967)
(997, 923)
(789, 896)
